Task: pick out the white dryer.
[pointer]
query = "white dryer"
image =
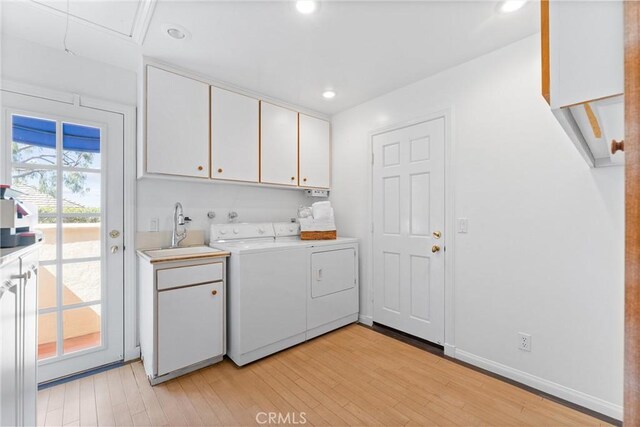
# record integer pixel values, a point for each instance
(283, 290)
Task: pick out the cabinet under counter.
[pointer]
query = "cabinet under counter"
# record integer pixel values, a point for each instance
(182, 314)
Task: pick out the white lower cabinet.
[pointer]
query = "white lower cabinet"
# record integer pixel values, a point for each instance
(18, 339)
(189, 322)
(182, 315)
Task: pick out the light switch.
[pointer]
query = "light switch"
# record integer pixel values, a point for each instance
(463, 225)
(153, 224)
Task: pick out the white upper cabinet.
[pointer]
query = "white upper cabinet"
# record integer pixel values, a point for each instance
(583, 74)
(315, 149)
(586, 51)
(279, 145)
(235, 145)
(177, 124)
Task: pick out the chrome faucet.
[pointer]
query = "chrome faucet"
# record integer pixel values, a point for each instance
(178, 220)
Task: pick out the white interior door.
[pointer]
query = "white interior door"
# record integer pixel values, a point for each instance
(68, 161)
(408, 230)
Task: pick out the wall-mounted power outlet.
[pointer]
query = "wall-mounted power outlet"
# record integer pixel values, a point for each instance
(524, 341)
(154, 224)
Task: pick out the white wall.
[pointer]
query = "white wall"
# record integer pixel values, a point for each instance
(253, 204)
(545, 249)
(37, 65)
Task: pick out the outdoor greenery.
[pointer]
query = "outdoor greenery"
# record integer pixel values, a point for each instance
(69, 210)
(45, 180)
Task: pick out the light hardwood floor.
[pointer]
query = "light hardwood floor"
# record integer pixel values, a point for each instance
(353, 376)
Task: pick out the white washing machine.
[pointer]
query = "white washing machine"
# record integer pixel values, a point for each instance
(283, 290)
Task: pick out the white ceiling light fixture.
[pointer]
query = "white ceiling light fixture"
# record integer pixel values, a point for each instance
(306, 7)
(176, 32)
(328, 94)
(509, 6)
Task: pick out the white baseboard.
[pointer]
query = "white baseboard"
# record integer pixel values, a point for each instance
(449, 350)
(365, 320)
(566, 393)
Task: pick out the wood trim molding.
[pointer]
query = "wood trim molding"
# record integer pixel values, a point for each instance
(632, 213)
(593, 121)
(544, 45)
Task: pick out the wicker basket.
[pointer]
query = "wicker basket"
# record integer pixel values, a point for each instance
(318, 235)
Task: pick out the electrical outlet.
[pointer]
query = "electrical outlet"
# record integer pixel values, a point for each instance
(463, 225)
(524, 341)
(154, 224)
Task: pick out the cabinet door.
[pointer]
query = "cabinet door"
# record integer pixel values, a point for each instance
(586, 43)
(9, 350)
(190, 325)
(278, 145)
(177, 124)
(29, 269)
(234, 136)
(315, 149)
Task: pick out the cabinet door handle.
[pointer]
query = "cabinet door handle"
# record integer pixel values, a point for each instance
(214, 292)
(220, 170)
(293, 178)
(22, 276)
(319, 274)
(305, 179)
(200, 168)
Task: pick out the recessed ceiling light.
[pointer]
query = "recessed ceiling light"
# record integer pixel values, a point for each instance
(509, 6)
(328, 94)
(175, 31)
(306, 6)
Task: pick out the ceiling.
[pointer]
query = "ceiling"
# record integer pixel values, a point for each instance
(360, 49)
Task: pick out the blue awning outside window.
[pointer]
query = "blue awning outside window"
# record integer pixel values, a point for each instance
(42, 133)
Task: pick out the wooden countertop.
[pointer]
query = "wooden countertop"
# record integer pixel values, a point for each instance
(186, 257)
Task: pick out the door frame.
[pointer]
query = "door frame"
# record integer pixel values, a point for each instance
(128, 113)
(631, 404)
(449, 227)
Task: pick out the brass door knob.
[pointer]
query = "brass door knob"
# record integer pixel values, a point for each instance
(437, 234)
(200, 168)
(435, 248)
(220, 170)
(214, 292)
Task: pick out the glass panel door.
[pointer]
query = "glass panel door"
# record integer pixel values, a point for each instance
(67, 193)
(59, 164)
